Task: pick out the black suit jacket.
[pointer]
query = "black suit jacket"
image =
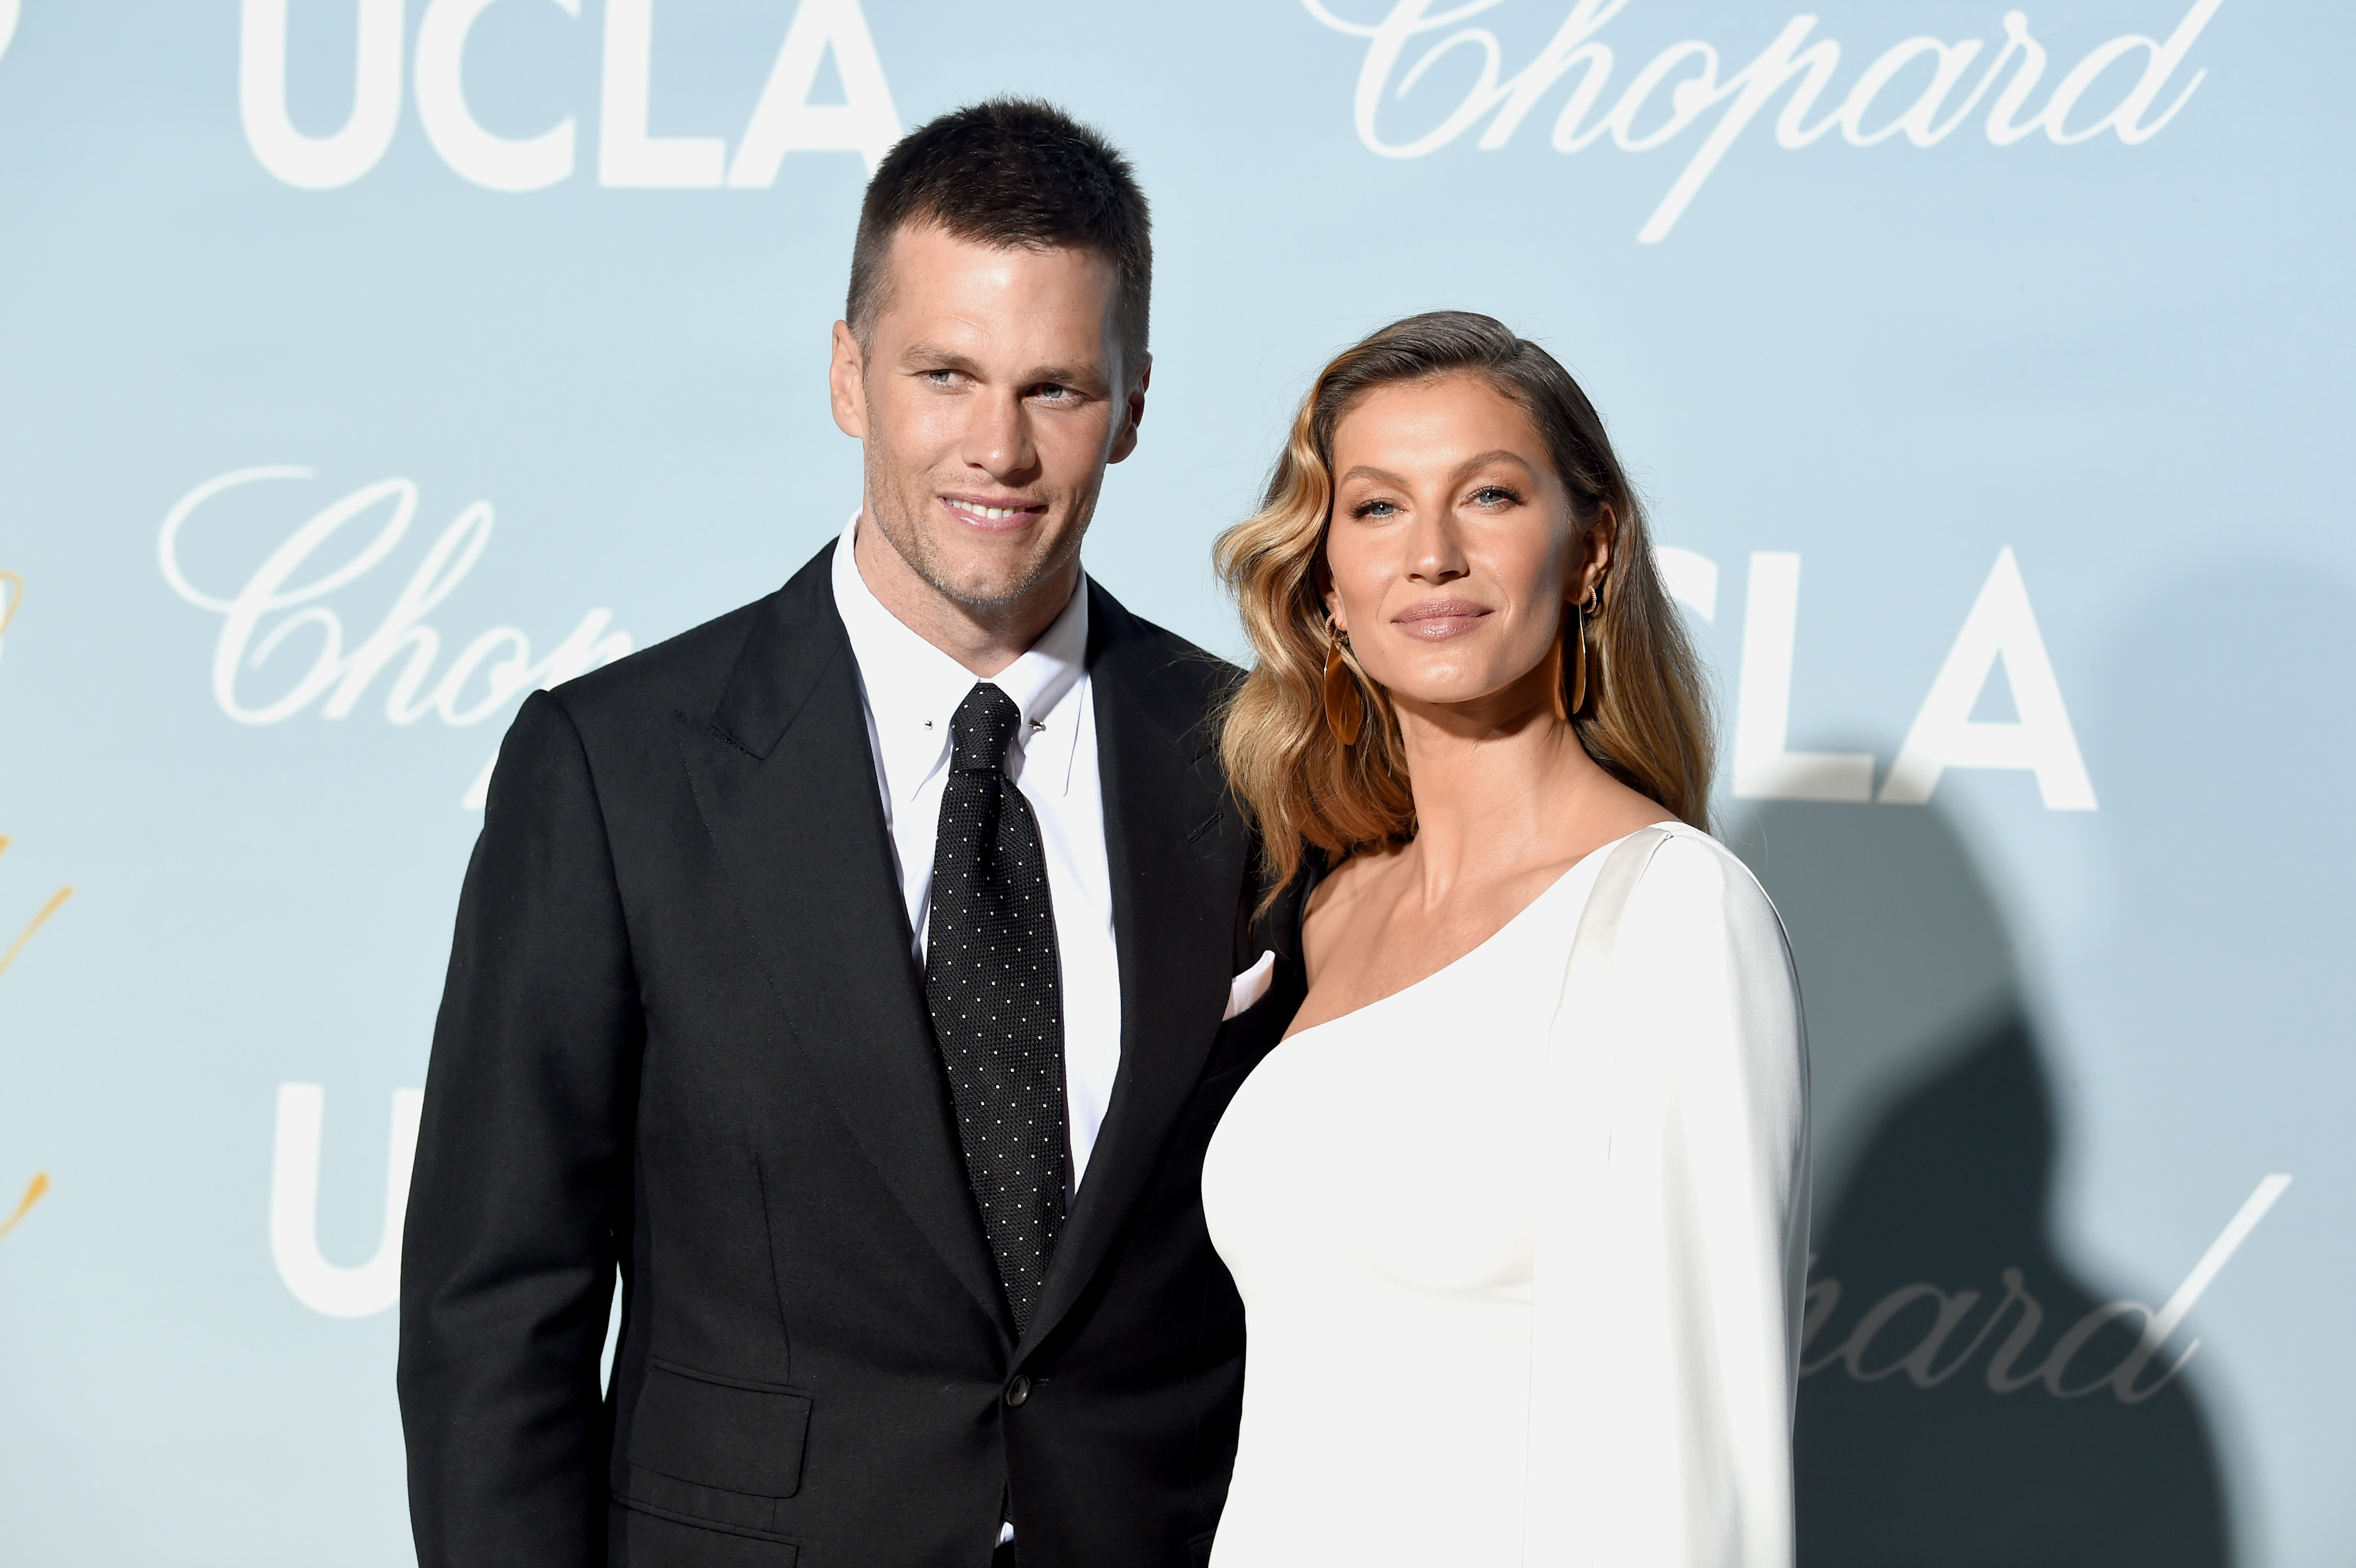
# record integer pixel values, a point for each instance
(684, 1034)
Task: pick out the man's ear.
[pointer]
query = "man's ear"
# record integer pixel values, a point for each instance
(1132, 414)
(847, 380)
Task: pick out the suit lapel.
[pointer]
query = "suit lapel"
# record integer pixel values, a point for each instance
(1175, 880)
(784, 777)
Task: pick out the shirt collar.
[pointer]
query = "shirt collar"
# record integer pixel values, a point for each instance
(913, 688)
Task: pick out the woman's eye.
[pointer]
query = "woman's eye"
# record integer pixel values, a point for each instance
(1374, 509)
(1494, 495)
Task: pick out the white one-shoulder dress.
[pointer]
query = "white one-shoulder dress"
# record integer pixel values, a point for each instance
(1521, 1247)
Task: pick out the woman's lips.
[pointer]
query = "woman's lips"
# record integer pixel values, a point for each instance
(1435, 620)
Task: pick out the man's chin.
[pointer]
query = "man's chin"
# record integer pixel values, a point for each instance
(990, 592)
(986, 580)
(989, 581)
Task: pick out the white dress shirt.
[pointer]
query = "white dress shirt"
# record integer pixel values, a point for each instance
(910, 689)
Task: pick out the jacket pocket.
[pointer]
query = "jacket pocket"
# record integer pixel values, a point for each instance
(724, 1432)
(638, 1536)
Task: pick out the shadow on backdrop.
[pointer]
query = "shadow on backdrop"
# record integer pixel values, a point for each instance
(1963, 1400)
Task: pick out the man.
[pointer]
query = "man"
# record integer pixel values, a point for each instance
(862, 974)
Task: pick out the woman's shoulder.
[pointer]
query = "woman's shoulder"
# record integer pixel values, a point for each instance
(1331, 885)
(1691, 879)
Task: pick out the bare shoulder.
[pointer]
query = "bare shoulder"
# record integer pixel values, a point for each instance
(1347, 889)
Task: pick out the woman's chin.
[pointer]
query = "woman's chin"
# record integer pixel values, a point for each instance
(1484, 692)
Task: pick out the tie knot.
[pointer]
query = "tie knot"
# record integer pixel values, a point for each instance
(984, 725)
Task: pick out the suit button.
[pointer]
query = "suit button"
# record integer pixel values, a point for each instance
(1019, 1390)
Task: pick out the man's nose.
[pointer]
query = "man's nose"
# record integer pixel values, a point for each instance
(998, 440)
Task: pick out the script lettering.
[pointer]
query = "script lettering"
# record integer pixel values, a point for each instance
(1865, 1356)
(1690, 71)
(278, 607)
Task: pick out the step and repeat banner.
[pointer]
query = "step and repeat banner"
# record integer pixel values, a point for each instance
(366, 364)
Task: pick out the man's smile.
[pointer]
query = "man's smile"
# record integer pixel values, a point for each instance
(996, 513)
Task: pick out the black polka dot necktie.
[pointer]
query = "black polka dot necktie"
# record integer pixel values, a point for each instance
(994, 980)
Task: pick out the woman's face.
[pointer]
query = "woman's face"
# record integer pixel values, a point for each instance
(1452, 545)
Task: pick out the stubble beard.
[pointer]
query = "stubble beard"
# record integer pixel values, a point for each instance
(902, 511)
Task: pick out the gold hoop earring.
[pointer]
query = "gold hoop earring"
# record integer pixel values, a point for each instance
(1576, 631)
(1345, 704)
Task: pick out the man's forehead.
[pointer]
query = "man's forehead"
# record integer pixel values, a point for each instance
(963, 300)
(930, 266)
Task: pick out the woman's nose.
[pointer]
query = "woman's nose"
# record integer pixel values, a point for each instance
(1434, 554)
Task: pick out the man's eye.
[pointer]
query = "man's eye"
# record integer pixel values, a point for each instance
(1052, 392)
(941, 378)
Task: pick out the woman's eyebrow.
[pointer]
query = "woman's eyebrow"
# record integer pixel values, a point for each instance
(1384, 477)
(1499, 455)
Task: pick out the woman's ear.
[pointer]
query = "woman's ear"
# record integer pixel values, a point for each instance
(1331, 596)
(1596, 549)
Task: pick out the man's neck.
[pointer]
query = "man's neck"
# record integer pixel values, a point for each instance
(984, 641)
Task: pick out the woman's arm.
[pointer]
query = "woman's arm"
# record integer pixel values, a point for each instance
(1674, 1235)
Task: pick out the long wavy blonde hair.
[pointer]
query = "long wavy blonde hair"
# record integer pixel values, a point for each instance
(1648, 718)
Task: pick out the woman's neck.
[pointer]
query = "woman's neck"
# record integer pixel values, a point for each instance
(1502, 787)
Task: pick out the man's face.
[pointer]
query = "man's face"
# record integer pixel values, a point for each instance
(990, 397)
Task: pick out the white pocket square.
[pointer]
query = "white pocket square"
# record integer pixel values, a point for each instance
(1246, 990)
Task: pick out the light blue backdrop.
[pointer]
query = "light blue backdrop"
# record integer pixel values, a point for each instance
(2026, 443)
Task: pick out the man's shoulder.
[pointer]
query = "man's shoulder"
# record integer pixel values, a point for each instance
(1171, 675)
(689, 672)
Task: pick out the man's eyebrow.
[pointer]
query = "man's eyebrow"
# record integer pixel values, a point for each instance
(939, 357)
(936, 355)
(1083, 376)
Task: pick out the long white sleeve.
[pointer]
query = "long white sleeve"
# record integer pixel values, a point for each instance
(1672, 1229)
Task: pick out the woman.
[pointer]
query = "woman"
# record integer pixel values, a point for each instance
(1518, 1209)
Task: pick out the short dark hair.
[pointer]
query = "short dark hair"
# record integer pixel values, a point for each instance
(1012, 172)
